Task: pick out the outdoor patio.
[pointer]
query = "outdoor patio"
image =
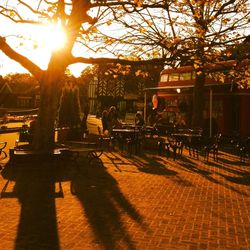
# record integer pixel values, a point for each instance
(140, 202)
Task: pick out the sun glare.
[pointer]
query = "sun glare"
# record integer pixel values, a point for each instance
(51, 37)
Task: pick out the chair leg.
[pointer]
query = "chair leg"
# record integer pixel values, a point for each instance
(179, 148)
(196, 153)
(174, 153)
(190, 151)
(160, 147)
(167, 146)
(129, 146)
(206, 153)
(215, 152)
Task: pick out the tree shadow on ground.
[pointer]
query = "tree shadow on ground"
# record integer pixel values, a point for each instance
(152, 165)
(115, 159)
(104, 205)
(242, 180)
(189, 165)
(35, 189)
(242, 177)
(234, 162)
(229, 169)
(194, 167)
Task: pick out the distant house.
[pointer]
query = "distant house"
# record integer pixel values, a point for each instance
(125, 91)
(18, 96)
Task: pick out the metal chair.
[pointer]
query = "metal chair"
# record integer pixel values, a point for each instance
(2, 147)
(176, 146)
(104, 140)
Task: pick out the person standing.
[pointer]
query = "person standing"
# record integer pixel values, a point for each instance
(112, 119)
(84, 126)
(139, 121)
(105, 121)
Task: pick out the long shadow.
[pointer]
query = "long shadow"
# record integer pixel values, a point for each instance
(156, 165)
(242, 180)
(191, 166)
(230, 170)
(35, 189)
(235, 162)
(104, 204)
(113, 157)
(152, 165)
(207, 174)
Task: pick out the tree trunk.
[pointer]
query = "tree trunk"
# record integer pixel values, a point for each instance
(198, 100)
(51, 86)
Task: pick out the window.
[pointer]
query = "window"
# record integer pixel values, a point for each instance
(24, 102)
(173, 77)
(164, 78)
(185, 76)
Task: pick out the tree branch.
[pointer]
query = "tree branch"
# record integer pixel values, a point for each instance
(24, 61)
(91, 60)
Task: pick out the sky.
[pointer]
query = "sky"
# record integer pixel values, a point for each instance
(40, 41)
(44, 39)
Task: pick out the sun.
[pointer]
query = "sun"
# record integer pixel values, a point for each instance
(50, 37)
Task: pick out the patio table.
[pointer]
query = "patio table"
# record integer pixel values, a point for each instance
(191, 140)
(131, 137)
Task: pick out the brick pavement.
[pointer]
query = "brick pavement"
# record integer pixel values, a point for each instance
(139, 202)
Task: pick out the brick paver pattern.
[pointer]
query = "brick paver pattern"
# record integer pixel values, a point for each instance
(139, 202)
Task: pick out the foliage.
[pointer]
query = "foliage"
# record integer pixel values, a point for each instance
(138, 30)
(21, 83)
(135, 78)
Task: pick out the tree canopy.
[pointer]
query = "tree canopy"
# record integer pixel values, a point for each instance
(135, 30)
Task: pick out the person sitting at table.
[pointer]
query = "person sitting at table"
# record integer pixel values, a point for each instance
(31, 130)
(139, 121)
(180, 122)
(113, 121)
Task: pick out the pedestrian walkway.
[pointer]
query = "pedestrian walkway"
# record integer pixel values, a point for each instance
(139, 202)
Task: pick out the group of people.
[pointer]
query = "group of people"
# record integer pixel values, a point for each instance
(177, 119)
(110, 120)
